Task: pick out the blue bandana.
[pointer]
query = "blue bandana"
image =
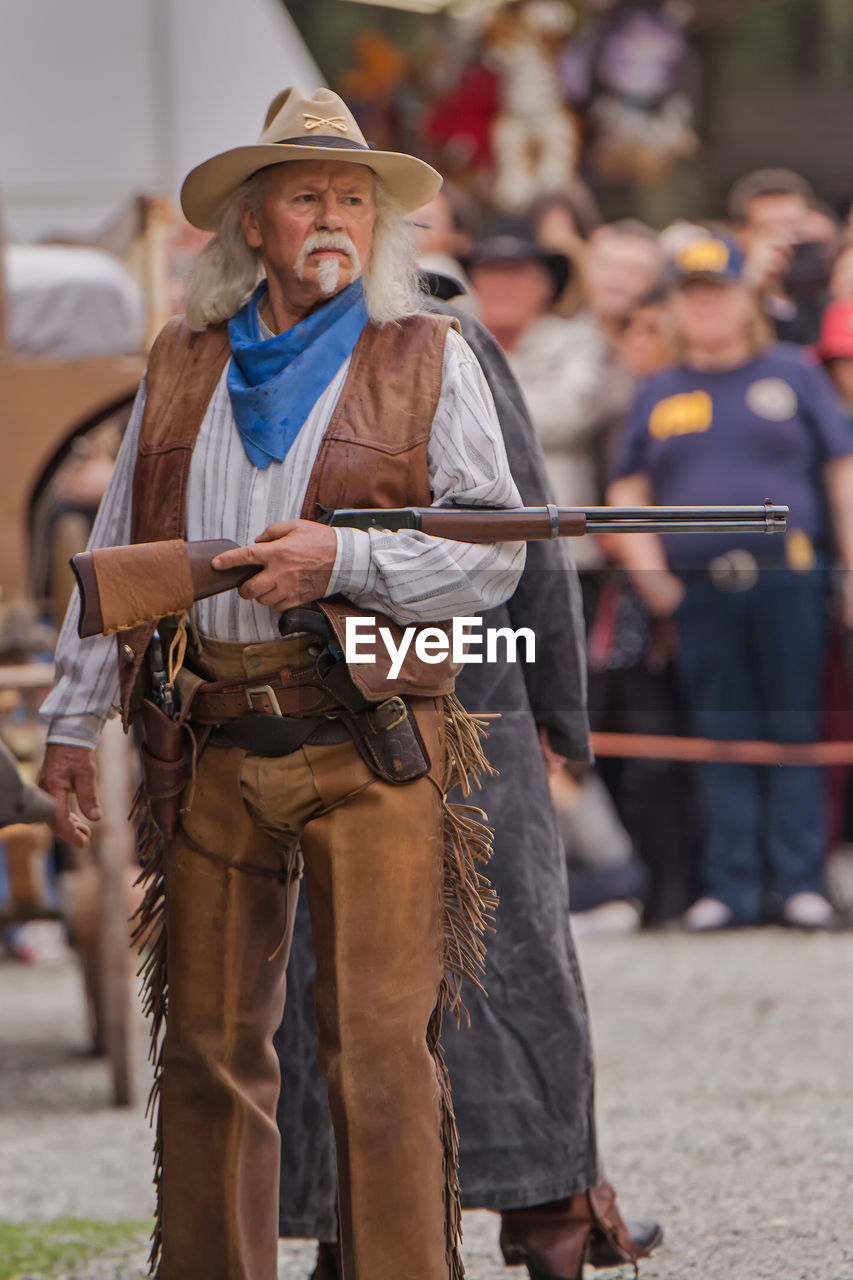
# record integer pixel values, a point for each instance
(274, 383)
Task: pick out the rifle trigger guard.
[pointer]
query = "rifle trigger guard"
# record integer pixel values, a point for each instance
(554, 520)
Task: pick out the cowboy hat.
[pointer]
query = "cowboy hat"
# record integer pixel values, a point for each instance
(300, 128)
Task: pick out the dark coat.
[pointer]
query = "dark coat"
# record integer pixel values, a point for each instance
(522, 1074)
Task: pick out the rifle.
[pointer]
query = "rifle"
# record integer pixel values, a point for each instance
(121, 587)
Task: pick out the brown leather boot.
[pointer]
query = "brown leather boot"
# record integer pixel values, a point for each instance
(644, 1236)
(555, 1240)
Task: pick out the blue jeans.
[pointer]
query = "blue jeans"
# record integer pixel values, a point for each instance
(752, 664)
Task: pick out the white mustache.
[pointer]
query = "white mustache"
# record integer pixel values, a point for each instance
(327, 240)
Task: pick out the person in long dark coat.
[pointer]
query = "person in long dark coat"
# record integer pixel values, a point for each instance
(522, 1073)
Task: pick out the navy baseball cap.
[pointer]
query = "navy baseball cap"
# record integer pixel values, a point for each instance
(710, 257)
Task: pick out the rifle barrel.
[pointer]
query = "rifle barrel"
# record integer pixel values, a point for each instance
(497, 524)
(767, 513)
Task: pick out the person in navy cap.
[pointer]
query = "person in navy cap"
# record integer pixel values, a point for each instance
(738, 419)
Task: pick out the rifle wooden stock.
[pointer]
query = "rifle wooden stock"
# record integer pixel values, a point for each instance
(138, 567)
(522, 525)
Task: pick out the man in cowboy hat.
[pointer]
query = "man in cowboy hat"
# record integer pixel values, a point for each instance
(304, 377)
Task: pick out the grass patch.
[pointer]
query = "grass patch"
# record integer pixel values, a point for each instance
(49, 1249)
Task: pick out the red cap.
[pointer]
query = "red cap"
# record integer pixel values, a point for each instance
(836, 331)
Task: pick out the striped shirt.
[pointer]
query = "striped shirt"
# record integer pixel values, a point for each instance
(410, 576)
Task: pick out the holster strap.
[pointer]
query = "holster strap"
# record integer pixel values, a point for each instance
(164, 779)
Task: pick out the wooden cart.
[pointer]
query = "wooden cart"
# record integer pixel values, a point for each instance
(96, 896)
(45, 405)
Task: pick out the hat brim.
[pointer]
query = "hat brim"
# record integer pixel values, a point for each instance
(411, 182)
(707, 277)
(833, 351)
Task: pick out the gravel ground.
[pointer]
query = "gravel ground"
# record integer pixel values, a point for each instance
(725, 1098)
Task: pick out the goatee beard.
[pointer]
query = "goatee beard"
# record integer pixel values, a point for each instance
(329, 269)
(328, 275)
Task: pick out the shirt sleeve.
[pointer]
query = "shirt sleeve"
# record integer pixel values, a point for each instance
(86, 686)
(630, 455)
(823, 410)
(412, 576)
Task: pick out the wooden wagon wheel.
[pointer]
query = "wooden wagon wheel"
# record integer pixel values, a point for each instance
(115, 850)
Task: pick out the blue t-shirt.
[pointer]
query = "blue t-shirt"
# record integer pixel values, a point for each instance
(736, 438)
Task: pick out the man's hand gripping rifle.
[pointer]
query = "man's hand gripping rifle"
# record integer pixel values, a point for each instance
(123, 587)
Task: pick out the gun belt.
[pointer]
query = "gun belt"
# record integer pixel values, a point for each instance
(273, 696)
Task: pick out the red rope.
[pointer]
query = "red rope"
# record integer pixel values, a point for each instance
(647, 746)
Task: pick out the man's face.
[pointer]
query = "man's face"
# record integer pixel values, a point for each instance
(314, 226)
(782, 219)
(643, 344)
(621, 269)
(434, 230)
(511, 295)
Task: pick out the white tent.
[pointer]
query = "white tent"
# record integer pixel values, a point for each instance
(101, 100)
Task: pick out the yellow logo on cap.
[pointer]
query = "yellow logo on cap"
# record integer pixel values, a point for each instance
(704, 255)
(681, 415)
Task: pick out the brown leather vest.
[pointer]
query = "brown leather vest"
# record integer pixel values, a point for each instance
(373, 454)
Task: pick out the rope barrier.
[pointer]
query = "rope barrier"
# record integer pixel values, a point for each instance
(648, 746)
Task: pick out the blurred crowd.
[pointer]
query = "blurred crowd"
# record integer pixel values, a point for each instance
(709, 364)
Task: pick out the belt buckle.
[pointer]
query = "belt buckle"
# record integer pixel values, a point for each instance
(269, 691)
(734, 571)
(402, 711)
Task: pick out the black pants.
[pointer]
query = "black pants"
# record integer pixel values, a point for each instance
(656, 799)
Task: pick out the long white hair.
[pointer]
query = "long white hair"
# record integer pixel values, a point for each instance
(227, 271)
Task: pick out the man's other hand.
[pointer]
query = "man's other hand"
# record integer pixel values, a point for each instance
(68, 771)
(554, 763)
(660, 590)
(296, 559)
(768, 262)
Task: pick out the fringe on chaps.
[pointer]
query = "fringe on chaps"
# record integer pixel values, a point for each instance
(469, 905)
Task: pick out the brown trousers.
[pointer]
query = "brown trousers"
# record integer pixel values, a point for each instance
(372, 857)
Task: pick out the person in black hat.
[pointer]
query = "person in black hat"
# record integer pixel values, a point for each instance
(560, 364)
(523, 1099)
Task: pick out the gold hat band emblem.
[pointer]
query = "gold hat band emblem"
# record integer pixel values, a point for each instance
(317, 122)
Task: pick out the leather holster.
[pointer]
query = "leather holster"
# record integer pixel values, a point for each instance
(165, 766)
